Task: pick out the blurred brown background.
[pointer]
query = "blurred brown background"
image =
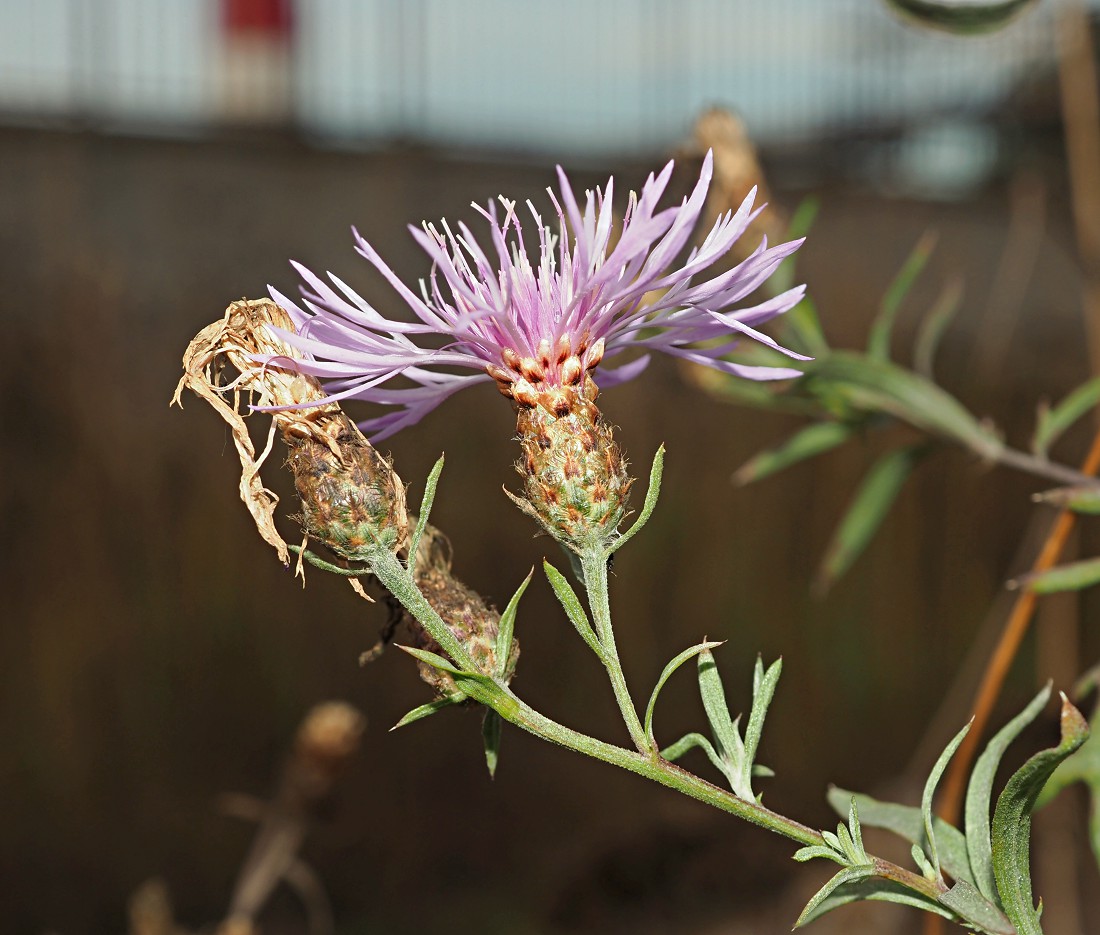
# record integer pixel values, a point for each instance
(156, 654)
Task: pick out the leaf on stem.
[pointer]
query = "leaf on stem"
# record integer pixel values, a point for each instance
(1056, 420)
(651, 494)
(673, 752)
(934, 325)
(675, 664)
(972, 907)
(572, 606)
(806, 443)
(979, 795)
(1078, 499)
(907, 822)
(878, 344)
(763, 690)
(930, 791)
(868, 509)
(507, 627)
(1073, 576)
(847, 875)
(874, 888)
(729, 746)
(425, 510)
(1012, 822)
(426, 710)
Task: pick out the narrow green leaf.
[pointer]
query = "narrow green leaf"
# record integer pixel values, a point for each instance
(674, 751)
(1012, 822)
(651, 494)
(849, 846)
(850, 381)
(879, 890)
(675, 664)
(755, 394)
(763, 691)
(922, 862)
(433, 659)
(979, 794)
(572, 606)
(907, 822)
(855, 828)
(930, 791)
(1079, 499)
(426, 710)
(867, 511)
(490, 735)
(806, 443)
(1055, 421)
(971, 906)
(819, 850)
(507, 627)
(848, 875)
(425, 510)
(729, 745)
(934, 325)
(878, 344)
(1073, 576)
(317, 562)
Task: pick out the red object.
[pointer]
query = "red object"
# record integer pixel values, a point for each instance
(269, 17)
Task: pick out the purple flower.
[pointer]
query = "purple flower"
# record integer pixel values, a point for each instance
(586, 298)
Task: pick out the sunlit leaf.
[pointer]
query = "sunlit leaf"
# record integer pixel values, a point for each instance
(572, 606)
(656, 471)
(425, 510)
(930, 791)
(872, 888)
(1012, 822)
(426, 710)
(507, 626)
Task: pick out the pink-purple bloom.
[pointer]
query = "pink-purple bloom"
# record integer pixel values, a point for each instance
(586, 291)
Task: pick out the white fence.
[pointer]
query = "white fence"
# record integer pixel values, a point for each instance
(585, 76)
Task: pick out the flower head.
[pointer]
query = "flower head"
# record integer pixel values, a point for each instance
(544, 323)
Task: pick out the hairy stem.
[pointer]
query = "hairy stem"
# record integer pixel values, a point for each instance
(594, 568)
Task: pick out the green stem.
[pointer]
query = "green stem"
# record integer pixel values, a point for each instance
(482, 688)
(594, 567)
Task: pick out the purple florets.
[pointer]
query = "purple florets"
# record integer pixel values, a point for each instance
(584, 301)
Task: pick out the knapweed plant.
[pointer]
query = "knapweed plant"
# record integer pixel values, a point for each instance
(545, 311)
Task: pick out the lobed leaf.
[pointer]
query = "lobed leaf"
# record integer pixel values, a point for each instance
(1012, 822)
(763, 690)
(907, 822)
